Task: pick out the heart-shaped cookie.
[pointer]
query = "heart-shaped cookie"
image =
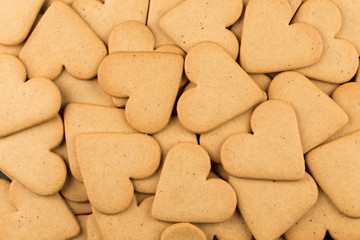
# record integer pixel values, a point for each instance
(157, 9)
(103, 16)
(85, 118)
(321, 217)
(135, 222)
(195, 21)
(335, 167)
(16, 19)
(79, 207)
(270, 208)
(173, 134)
(180, 231)
(136, 37)
(339, 60)
(24, 104)
(26, 157)
(75, 90)
(223, 89)
(273, 152)
(347, 96)
(270, 44)
(37, 217)
(62, 38)
(5, 203)
(184, 194)
(151, 91)
(109, 160)
(318, 116)
(232, 229)
(350, 27)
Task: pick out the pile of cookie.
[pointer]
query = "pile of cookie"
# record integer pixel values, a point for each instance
(179, 119)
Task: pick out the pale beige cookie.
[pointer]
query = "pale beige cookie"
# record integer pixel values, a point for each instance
(274, 149)
(16, 19)
(151, 91)
(181, 231)
(74, 90)
(335, 167)
(79, 207)
(82, 219)
(85, 118)
(11, 50)
(270, 208)
(184, 193)
(237, 28)
(27, 157)
(62, 38)
(321, 217)
(93, 231)
(135, 222)
(73, 189)
(350, 27)
(270, 44)
(173, 134)
(108, 161)
(195, 21)
(347, 96)
(339, 60)
(5, 203)
(157, 9)
(38, 217)
(104, 16)
(213, 140)
(327, 88)
(223, 89)
(232, 229)
(24, 104)
(318, 116)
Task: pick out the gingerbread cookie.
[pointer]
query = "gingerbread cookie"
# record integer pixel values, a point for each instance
(62, 38)
(184, 193)
(270, 44)
(318, 116)
(5, 203)
(27, 157)
(104, 16)
(93, 231)
(37, 217)
(151, 91)
(270, 208)
(220, 82)
(180, 231)
(339, 60)
(79, 207)
(273, 152)
(108, 161)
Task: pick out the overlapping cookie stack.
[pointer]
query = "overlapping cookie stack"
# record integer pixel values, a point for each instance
(179, 119)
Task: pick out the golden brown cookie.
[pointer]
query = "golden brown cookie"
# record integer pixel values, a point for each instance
(270, 208)
(339, 60)
(223, 89)
(37, 217)
(270, 44)
(27, 157)
(319, 117)
(62, 38)
(109, 160)
(151, 91)
(335, 167)
(135, 222)
(184, 194)
(79, 207)
(85, 118)
(93, 231)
